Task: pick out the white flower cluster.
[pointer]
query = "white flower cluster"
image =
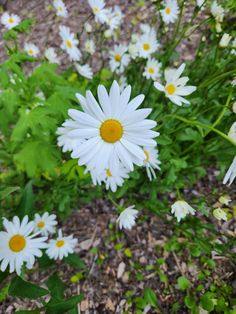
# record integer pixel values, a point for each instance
(111, 136)
(21, 242)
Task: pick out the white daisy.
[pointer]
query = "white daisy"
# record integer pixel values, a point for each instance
(147, 44)
(217, 11)
(114, 131)
(98, 8)
(31, 49)
(152, 69)
(10, 20)
(84, 70)
(118, 13)
(65, 141)
(45, 224)
(113, 21)
(151, 161)
(119, 58)
(69, 43)
(18, 245)
(232, 132)
(181, 209)
(175, 86)
(127, 218)
(170, 12)
(220, 214)
(89, 46)
(61, 247)
(51, 56)
(231, 173)
(60, 8)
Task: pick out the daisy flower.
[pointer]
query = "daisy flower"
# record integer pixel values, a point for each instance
(61, 247)
(69, 43)
(31, 49)
(113, 20)
(170, 12)
(127, 218)
(89, 46)
(175, 86)
(231, 173)
(118, 13)
(51, 56)
(18, 245)
(119, 58)
(45, 224)
(181, 209)
(10, 20)
(84, 70)
(151, 161)
(98, 8)
(152, 69)
(147, 44)
(65, 141)
(217, 11)
(60, 8)
(232, 132)
(113, 130)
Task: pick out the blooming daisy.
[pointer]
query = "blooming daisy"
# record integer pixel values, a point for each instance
(231, 173)
(119, 58)
(217, 11)
(127, 218)
(69, 43)
(51, 56)
(113, 20)
(118, 13)
(60, 8)
(31, 49)
(175, 86)
(113, 130)
(89, 46)
(181, 209)
(10, 20)
(98, 8)
(147, 44)
(65, 141)
(220, 214)
(152, 69)
(151, 161)
(84, 70)
(170, 12)
(18, 245)
(61, 247)
(232, 132)
(45, 224)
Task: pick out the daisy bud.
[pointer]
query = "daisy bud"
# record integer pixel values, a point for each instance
(224, 42)
(219, 214)
(181, 209)
(225, 200)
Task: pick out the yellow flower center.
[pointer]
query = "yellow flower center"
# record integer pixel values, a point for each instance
(30, 51)
(111, 131)
(60, 8)
(108, 172)
(117, 57)
(10, 20)
(69, 44)
(151, 71)
(170, 89)
(146, 46)
(17, 243)
(96, 9)
(60, 243)
(147, 156)
(168, 10)
(41, 224)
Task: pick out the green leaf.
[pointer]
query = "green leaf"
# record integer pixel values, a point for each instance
(207, 303)
(74, 261)
(24, 289)
(60, 307)
(189, 302)
(29, 312)
(26, 203)
(7, 191)
(164, 140)
(56, 286)
(183, 283)
(150, 297)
